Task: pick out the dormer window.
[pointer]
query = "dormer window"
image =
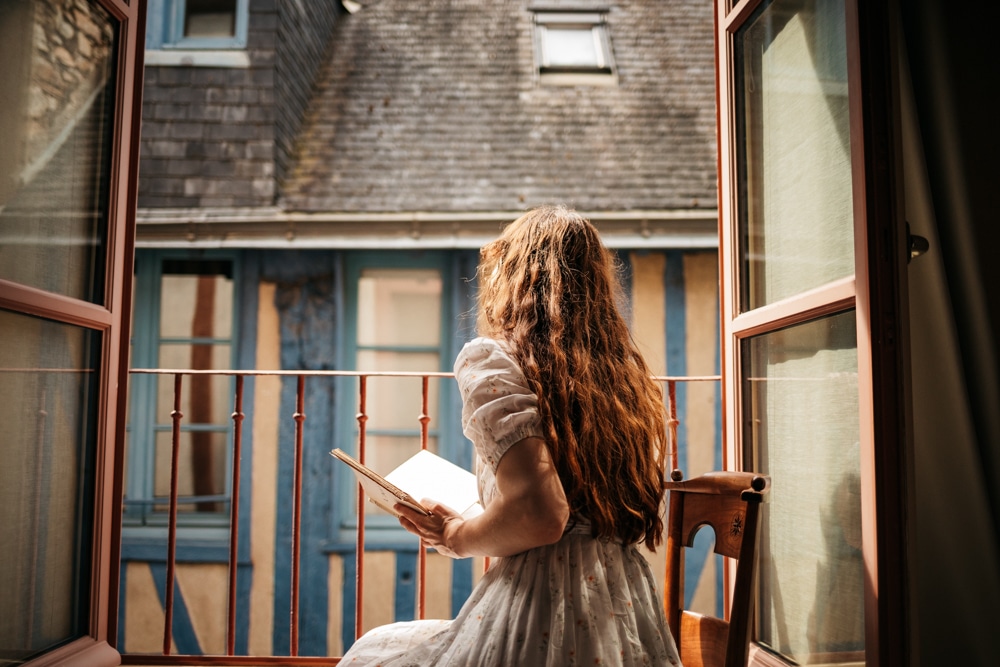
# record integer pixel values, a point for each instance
(572, 43)
(196, 25)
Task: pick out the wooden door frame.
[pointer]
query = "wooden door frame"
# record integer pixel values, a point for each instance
(878, 288)
(882, 249)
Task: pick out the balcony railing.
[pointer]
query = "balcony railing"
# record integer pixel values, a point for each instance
(230, 657)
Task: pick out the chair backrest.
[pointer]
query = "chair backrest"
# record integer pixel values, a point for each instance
(729, 502)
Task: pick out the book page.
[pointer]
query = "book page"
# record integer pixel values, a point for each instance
(423, 475)
(427, 475)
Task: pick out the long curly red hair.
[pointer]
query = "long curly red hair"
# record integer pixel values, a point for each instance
(548, 287)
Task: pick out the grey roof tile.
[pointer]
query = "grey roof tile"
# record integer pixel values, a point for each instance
(437, 106)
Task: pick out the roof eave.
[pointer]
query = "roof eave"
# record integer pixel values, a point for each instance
(279, 229)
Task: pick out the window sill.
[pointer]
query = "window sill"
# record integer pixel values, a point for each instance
(194, 545)
(234, 59)
(578, 79)
(400, 545)
(382, 533)
(84, 652)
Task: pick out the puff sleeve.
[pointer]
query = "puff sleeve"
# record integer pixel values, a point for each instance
(498, 408)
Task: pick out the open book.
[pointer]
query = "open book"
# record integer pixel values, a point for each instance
(423, 475)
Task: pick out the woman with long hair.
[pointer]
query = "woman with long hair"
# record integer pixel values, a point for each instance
(569, 433)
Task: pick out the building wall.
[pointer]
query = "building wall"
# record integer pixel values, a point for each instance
(673, 298)
(675, 321)
(267, 399)
(218, 136)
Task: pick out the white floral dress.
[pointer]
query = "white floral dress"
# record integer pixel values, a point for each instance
(579, 601)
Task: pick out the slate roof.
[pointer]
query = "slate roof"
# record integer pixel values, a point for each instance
(437, 106)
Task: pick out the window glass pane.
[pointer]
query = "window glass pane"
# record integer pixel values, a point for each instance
(205, 399)
(56, 117)
(48, 402)
(395, 402)
(398, 329)
(202, 470)
(210, 18)
(795, 158)
(399, 307)
(192, 300)
(394, 407)
(570, 47)
(196, 305)
(801, 423)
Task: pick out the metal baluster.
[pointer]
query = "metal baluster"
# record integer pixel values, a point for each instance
(299, 418)
(175, 438)
(424, 419)
(359, 553)
(672, 423)
(234, 513)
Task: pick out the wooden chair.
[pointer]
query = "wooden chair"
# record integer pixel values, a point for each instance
(729, 502)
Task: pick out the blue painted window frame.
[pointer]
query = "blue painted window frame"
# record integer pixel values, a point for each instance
(165, 28)
(199, 538)
(384, 532)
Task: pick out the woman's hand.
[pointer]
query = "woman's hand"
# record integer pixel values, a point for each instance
(437, 529)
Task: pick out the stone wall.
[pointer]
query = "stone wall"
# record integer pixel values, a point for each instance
(58, 77)
(70, 64)
(57, 60)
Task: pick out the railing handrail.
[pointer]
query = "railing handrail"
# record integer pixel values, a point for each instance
(356, 373)
(287, 373)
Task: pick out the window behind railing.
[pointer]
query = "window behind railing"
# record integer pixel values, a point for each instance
(400, 315)
(398, 328)
(184, 318)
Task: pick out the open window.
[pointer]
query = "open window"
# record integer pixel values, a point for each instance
(805, 373)
(69, 117)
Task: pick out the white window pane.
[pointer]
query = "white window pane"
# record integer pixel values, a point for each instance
(399, 307)
(571, 47)
(205, 399)
(395, 402)
(56, 132)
